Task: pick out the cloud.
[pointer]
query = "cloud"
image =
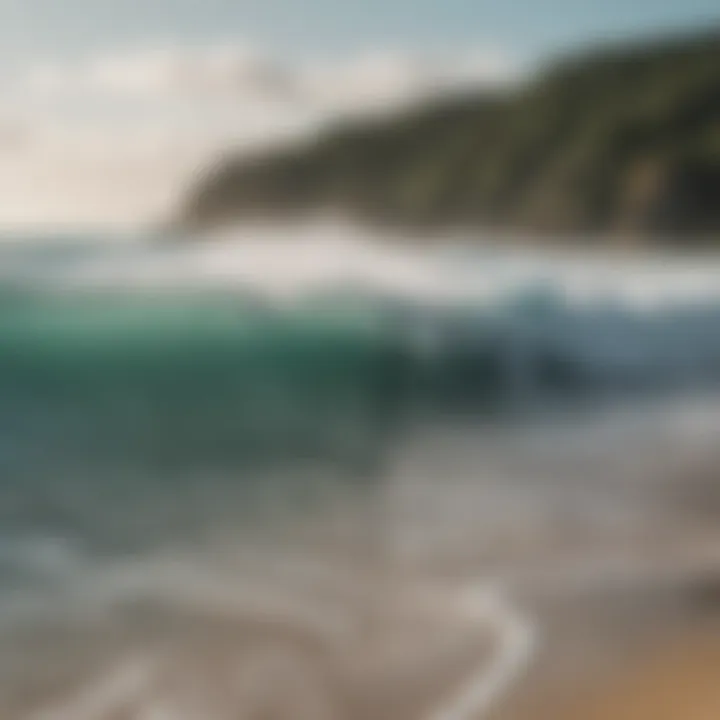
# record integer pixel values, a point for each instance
(243, 73)
(117, 136)
(223, 71)
(391, 78)
(236, 71)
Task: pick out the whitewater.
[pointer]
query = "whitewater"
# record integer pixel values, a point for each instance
(333, 457)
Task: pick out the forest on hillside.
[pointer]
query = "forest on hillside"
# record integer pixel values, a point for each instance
(621, 140)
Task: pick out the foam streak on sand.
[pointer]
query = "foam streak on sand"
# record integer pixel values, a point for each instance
(486, 604)
(116, 690)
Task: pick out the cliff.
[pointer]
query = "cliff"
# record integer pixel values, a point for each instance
(623, 140)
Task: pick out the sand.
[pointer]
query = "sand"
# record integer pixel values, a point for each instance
(636, 654)
(677, 679)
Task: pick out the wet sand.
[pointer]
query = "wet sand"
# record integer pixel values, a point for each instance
(648, 654)
(645, 651)
(156, 661)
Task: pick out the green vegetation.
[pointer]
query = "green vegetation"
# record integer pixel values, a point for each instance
(623, 140)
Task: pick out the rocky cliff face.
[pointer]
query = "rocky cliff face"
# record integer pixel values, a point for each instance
(622, 140)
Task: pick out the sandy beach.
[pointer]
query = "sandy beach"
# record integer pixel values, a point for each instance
(654, 656)
(643, 653)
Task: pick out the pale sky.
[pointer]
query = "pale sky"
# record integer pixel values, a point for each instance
(311, 27)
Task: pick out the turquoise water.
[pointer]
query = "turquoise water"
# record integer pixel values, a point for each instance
(118, 405)
(143, 414)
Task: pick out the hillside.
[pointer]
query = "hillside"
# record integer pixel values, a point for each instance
(622, 140)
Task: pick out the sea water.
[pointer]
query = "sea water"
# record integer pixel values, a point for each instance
(203, 436)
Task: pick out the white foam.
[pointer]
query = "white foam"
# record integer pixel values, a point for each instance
(288, 258)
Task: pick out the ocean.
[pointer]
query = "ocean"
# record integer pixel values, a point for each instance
(206, 439)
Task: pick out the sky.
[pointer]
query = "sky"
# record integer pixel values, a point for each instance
(109, 109)
(309, 27)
